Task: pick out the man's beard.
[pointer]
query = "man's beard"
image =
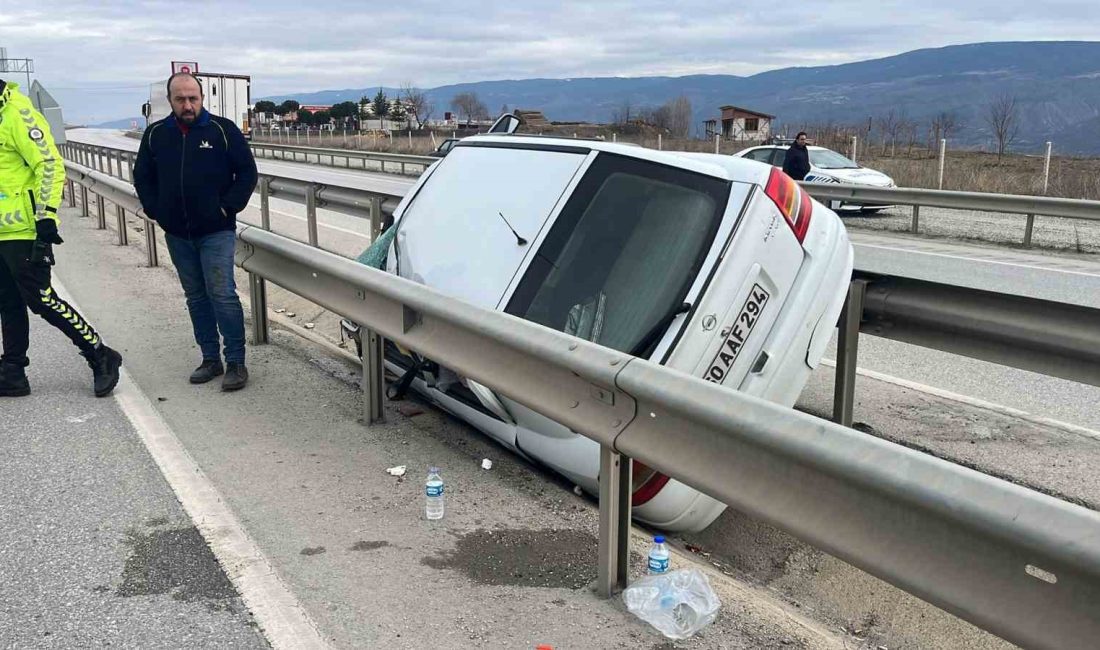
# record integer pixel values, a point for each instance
(188, 117)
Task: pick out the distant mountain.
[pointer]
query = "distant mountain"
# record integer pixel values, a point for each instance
(119, 124)
(1056, 84)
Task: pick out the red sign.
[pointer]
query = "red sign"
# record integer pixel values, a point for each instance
(189, 67)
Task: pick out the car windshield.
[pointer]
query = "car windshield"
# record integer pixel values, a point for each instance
(623, 253)
(828, 159)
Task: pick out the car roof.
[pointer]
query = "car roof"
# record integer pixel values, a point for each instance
(725, 167)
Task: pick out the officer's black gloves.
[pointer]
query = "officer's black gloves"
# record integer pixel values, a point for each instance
(46, 231)
(45, 237)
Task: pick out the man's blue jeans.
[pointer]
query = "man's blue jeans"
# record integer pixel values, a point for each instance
(205, 268)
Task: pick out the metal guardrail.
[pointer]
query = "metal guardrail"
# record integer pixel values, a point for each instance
(1058, 340)
(317, 155)
(1018, 563)
(980, 201)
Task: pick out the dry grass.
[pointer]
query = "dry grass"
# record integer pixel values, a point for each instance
(972, 171)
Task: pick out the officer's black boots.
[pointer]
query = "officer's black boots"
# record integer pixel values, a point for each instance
(13, 381)
(104, 363)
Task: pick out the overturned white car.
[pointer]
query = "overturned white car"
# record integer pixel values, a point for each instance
(717, 266)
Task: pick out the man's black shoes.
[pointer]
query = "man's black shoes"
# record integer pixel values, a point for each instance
(209, 369)
(236, 376)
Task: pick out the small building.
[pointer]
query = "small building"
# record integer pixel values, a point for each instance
(741, 124)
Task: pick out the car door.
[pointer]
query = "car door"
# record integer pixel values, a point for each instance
(468, 231)
(779, 156)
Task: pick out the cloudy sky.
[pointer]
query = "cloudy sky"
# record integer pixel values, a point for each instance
(99, 58)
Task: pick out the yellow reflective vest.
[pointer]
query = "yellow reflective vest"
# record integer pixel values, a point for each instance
(32, 173)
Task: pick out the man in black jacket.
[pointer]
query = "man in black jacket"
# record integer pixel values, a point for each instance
(194, 172)
(797, 163)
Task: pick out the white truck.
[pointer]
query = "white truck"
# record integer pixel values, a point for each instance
(226, 95)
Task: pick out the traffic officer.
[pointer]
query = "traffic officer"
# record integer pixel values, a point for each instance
(32, 176)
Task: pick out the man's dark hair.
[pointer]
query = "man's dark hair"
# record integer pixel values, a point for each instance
(168, 86)
(800, 134)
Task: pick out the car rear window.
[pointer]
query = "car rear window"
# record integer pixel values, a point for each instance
(619, 260)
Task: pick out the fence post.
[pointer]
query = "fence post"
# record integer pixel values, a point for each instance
(257, 294)
(716, 143)
(123, 236)
(847, 349)
(375, 218)
(659, 143)
(614, 137)
(265, 202)
(151, 243)
(916, 219)
(855, 144)
(1046, 170)
(373, 380)
(1027, 230)
(614, 544)
(943, 156)
(311, 213)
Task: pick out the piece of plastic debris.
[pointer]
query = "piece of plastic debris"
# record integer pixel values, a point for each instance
(678, 603)
(486, 463)
(578, 491)
(309, 326)
(280, 310)
(396, 471)
(291, 314)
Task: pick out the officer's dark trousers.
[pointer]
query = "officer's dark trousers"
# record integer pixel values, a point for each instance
(25, 285)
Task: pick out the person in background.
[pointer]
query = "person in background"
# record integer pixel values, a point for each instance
(797, 163)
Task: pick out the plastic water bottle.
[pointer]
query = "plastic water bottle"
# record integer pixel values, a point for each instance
(433, 490)
(658, 556)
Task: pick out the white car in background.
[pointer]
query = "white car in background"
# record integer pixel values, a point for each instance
(826, 166)
(712, 265)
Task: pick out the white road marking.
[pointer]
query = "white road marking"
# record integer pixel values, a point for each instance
(978, 259)
(320, 224)
(973, 401)
(285, 623)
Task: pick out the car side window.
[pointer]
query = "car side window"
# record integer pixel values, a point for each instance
(779, 156)
(759, 155)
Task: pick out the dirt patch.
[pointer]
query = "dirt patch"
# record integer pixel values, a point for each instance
(176, 561)
(368, 546)
(551, 558)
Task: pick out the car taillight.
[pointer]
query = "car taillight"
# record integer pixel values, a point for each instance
(646, 483)
(792, 201)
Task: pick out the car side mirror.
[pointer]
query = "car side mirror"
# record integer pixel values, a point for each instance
(507, 123)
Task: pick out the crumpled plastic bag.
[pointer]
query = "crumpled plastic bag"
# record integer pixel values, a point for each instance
(678, 603)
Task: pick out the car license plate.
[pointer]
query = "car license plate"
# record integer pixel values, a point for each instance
(738, 334)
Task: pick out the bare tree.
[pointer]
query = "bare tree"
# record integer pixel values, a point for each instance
(679, 117)
(623, 113)
(1004, 121)
(416, 101)
(944, 124)
(888, 128)
(468, 105)
(910, 132)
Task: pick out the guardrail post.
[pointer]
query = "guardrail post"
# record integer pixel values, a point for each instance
(1028, 229)
(614, 544)
(100, 208)
(375, 218)
(101, 218)
(83, 200)
(151, 243)
(257, 295)
(311, 214)
(373, 380)
(123, 236)
(130, 164)
(847, 353)
(916, 219)
(72, 194)
(383, 163)
(265, 202)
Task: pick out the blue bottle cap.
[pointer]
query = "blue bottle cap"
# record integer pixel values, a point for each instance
(660, 539)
